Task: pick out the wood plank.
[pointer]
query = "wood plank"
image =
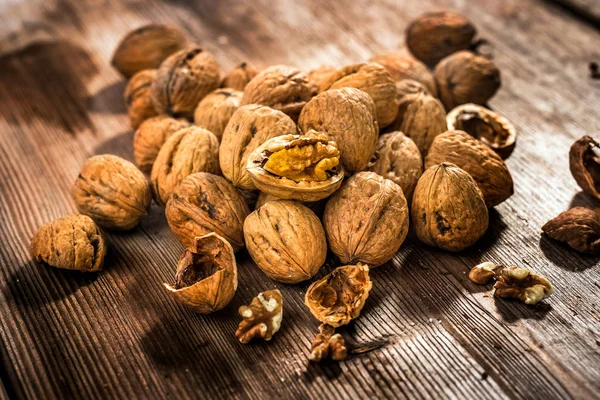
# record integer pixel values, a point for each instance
(586, 10)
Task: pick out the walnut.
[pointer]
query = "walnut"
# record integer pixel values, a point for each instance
(366, 220)
(297, 167)
(280, 87)
(72, 242)
(238, 78)
(346, 116)
(183, 79)
(286, 240)
(206, 278)
(146, 47)
(403, 66)
(150, 137)
(187, 151)
(398, 159)
(407, 87)
(215, 110)
(339, 297)
(205, 203)
(316, 206)
(480, 161)
(328, 344)
(578, 227)
(317, 76)
(436, 35)
(464, 77)
(138, 97)
(448, 210)
(484, 272)
(262, 318)
(485, 125)
(372, 79)
(584, 162)
(522, 284)
(112, 191)
(249, 127)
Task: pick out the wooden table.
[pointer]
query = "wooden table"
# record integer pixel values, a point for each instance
(427, 331)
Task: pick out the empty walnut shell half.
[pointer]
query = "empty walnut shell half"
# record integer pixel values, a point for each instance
(521, 284)
(238, 78)
(339, 297)
(206, 277)
(138, 97)
(578, 227)
(261, 318)
(150, 136)
(584, 162)
(485, 125)
(297, 167)
(215, 110)
(403, 66)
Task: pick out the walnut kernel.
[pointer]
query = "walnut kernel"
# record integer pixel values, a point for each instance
(522, 284)
(261, 318)
(484, 272)
(327, 343)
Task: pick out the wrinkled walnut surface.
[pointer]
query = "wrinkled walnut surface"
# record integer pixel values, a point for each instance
(578, 227)
(484, 272)
(317, 76)
(407, 87)
(150, 137)
(328, 344)
(238, 78)
(261, 318)
(584, 162)
(215, 110)
(403, 66)
(522, 284)
(138, 97)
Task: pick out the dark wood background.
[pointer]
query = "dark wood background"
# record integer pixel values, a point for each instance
(425, 332)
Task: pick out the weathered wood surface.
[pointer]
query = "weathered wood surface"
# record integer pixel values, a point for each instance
(430, 331)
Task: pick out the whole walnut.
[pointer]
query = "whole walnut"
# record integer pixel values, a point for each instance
(112, 191)
(398, 159)
(71, 242)
(146, 47)
(366, 220)
(238, 78)
(183, 79)
(317, 76)
(150, 136)
(481, 162)
(404, 66)
(407, 87)
(187, 151)
(465, 77)
(584, 163)
(280, 87)
(286, 240)
(372, 79)
(346, 116)
(205, 203)
(138, 97)
(249, 127)
(435, 35)
(215, 110)
(448, 210)
(316, 206)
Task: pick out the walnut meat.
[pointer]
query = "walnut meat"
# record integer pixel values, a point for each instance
(238, 78)
(215, 110)
(205, 203)
(578, 227)
(150, 136)
(346, 116)
(286, 240)
(584, 163)
(327, 343)
(484, 272)
(187, 151)
(448, 210)
(262, 318)
(112, 191)
(138, 97)
(522, 284)
(403, 66)
(72, 242)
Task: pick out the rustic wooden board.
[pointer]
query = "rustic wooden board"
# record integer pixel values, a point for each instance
(431, 333)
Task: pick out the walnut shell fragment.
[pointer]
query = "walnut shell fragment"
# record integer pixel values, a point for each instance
(403, 66)
(339, 297)
(286, 240)
(482, 273)
(522, 284)
(584, 162)
(73, 242)
(238, 78)
(206, 278)
(150, 136)
(261, 318)
(578, 227)
(138, 97)
(328, 344)
(214, 111)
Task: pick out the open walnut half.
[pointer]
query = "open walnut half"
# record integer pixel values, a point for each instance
(522, 284)
(584, 162)
(206, 278)
(340, 296)
(299, 167)
(262, 318)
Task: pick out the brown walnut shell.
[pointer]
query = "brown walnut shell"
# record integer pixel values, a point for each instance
(139, 98)
(238, 78)
(286, 240)
(316, 206)
(317, 76)
(404, 66)
(407, 87)
(112, 191)
(215, 110)
(578, 227)
(448, 210)
(73, 242)
(584, 163)
(150, 136)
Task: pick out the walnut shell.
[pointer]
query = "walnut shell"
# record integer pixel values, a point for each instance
(481, 162)
(280, 87)
(346, 116)
(183, 79)
(584, 164)
(366, 220)
(215, 110)
(316, 206)
(112, 191)
(205, 203)
(404, 66)
(407, 87)
(286, 240)
(146, 47)
(464, 77)
(72, 242)
(372, 79)
(238, 78)
(249, 127)
(398, 159)
(150, 136)
(448, 210)
(317, 76)
(578, 227)
(187, 151)
(139, 98)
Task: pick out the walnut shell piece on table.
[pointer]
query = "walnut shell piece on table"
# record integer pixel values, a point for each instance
(205, 203)
(206, 278)
(138, 97)
(584, 163)
(238, 78)
(448, 210)
(73, 242)
(346, 116)
(186, 152)
(150, 136)
(578, 227)
(286, 240)
(480, 161)
(261, 318)
(328, 344)
(521, 284)
(403, 66)
(339, 297)
(112, 191)
(214, 111)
